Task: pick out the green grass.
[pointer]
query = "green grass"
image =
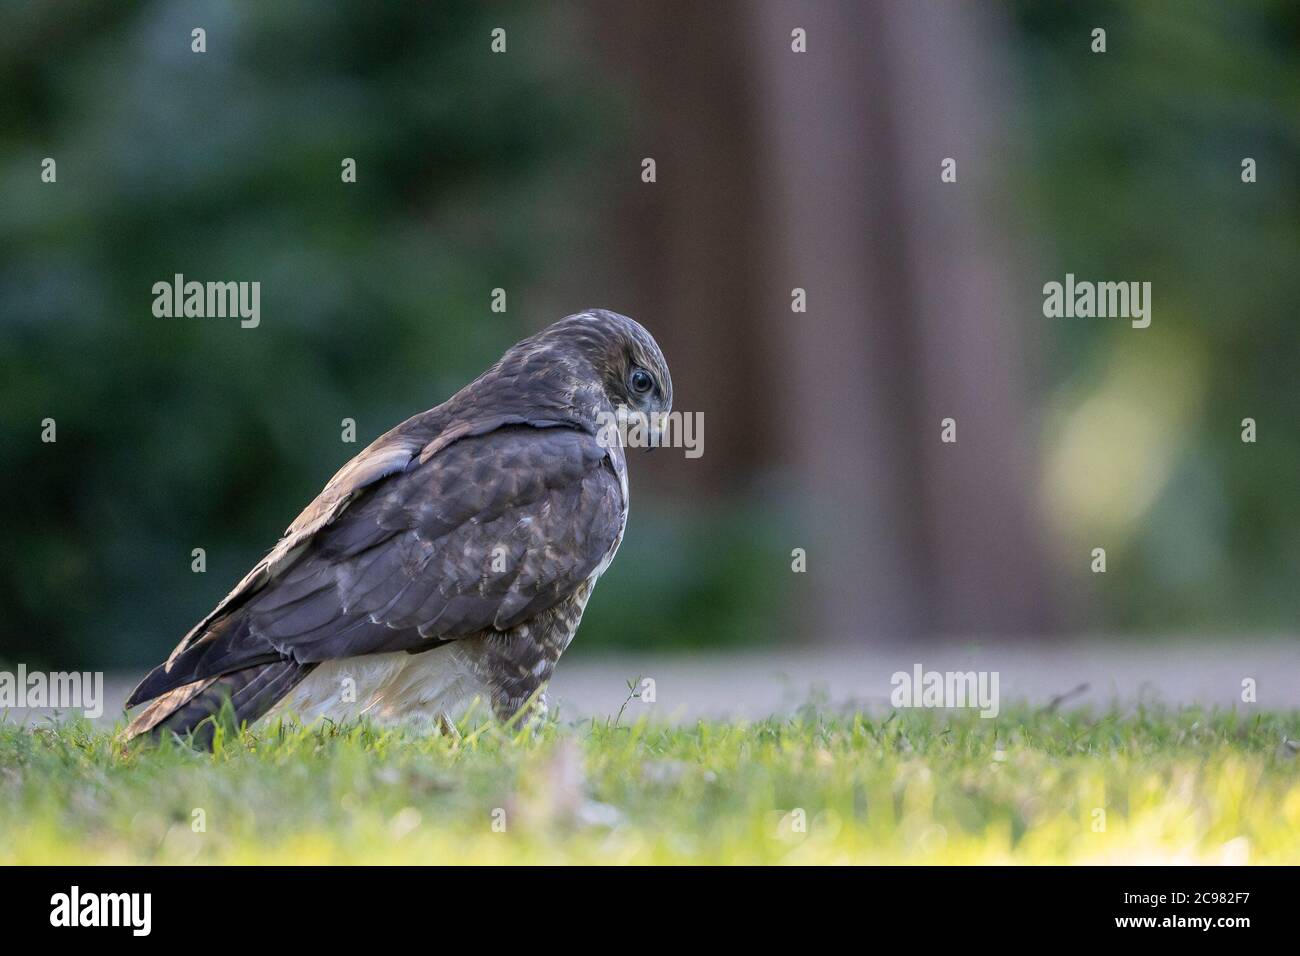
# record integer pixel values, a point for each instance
(919, 787)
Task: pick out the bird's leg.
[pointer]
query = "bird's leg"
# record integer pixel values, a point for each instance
(530, 713)
(448, 728)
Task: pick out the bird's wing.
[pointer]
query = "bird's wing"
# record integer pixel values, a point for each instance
(414, 547)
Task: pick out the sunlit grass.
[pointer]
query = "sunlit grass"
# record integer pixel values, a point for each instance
(1140, 785)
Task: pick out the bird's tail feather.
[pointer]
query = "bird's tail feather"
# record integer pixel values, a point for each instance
(195, 708)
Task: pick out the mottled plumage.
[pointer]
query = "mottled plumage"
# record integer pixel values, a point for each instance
(451, 559)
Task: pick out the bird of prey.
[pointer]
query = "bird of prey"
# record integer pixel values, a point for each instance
(450, 560)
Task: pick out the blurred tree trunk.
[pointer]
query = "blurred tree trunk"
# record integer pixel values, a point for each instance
(821, 170)
(690, 246)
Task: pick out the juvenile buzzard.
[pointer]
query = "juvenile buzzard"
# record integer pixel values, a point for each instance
(451, 559)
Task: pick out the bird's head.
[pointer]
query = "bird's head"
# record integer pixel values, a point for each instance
(620, 355)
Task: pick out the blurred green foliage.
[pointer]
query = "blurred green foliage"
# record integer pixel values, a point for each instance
(1136, 174)
(176, 434)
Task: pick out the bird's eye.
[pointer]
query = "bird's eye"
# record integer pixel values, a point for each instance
(641, 381)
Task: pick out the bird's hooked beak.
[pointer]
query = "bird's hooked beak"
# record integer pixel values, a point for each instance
(656, 426)
(633, 428)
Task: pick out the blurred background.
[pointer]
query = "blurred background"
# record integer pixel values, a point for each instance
(775, 170)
